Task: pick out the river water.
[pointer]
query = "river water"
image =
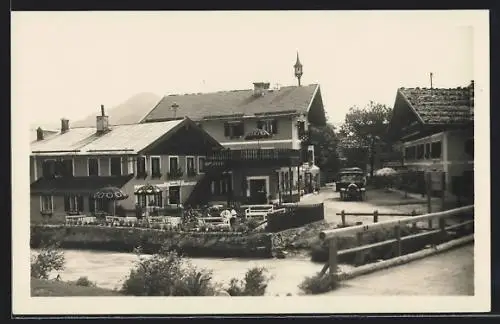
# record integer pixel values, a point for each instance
(108, 269)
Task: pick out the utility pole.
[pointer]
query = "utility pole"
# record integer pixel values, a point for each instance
(431, 74)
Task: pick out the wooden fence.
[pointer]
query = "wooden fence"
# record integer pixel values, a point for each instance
(375, 215)
(291, 216)
(330, 236)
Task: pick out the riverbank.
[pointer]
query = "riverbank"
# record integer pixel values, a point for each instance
(119, 239)
(53, 288)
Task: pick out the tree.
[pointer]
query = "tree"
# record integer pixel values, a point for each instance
(325, 142)
(361, 129)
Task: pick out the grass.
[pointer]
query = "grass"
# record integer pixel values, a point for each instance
(52, 288)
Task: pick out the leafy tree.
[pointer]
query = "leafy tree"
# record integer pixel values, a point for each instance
(50, 258)
(325, 142)
(361, 129)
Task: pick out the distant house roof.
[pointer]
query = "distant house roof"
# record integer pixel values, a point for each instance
(121, 139)
(428, 110)
(441, 106)
(83, 185)
(200, 106)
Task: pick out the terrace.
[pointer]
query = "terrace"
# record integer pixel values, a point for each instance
(276, 155)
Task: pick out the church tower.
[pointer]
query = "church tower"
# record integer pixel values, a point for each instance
(298, 68)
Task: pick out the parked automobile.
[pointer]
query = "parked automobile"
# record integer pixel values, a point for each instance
(351, 184)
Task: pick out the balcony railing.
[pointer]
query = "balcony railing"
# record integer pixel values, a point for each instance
(253, 155)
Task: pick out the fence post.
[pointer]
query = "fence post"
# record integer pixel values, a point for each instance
(397, 230)
(332, 258)
(443, 190)
(375, 216)
(429, 187)
(360, 254)
(442, 229)
(342, 215)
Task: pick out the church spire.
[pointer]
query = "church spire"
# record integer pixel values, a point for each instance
(298, 68)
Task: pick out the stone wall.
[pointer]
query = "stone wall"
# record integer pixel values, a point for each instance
(216, 244)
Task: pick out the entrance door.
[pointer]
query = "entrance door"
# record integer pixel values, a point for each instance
(174, 195)
(258, 194)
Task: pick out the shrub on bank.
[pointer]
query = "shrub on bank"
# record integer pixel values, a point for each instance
(167, 274)
(254, 283)
(84, 282)
(50, 258)
(318, 284)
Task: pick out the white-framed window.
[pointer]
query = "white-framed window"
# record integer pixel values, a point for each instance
(46, 203)
(190, 166)
(155, 166)
(130, 165)
(115, 166)
(269, 125)
(93, 166)
(201, 164)
(73, 203)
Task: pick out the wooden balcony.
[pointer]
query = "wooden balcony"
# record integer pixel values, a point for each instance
(245, 156)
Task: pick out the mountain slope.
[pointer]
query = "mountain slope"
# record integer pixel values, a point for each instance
(129, 112)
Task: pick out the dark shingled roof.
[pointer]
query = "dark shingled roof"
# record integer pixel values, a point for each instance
(234, 103)
(82, 185)
(441, 106)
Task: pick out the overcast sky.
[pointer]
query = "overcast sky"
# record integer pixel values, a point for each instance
(65, 64)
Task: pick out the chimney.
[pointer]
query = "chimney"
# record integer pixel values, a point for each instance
(102, 122)
(260, 88)
(64, 125)
(39, 134)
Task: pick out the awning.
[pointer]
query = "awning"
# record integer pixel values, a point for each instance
(77, 185)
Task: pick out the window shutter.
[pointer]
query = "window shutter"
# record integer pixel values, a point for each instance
(275, 126)
(91, 205)
(242, 129)
(226, 130)
(80, 203)
(66, 203)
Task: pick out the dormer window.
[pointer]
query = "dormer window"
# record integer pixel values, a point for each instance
(269, 125)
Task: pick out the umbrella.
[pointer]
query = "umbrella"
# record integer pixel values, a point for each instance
(385, 172)
(147, 190)
(110, 194)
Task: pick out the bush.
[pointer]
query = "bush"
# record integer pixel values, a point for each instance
(84, 282)
(317, 284)
(166, 274)
(50, 258)
(252, 224)
(254, 283)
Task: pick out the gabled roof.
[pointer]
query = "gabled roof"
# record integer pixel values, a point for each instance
(441, 106)
(200, 106)
(121, 139)
(72, 140)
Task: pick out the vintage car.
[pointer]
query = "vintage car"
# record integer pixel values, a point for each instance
(351, 184)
